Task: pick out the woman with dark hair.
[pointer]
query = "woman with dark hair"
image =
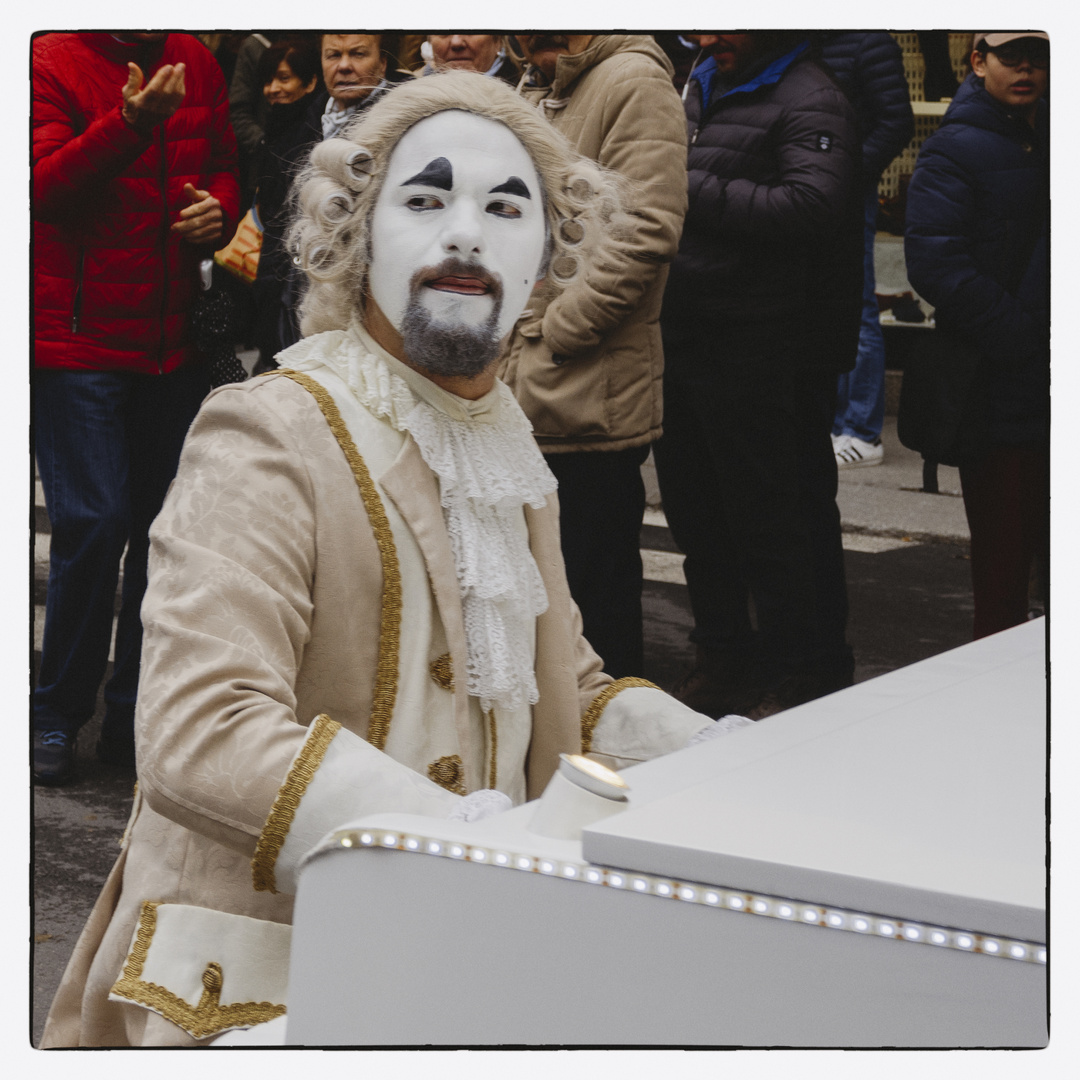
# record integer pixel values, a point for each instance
(290, 72)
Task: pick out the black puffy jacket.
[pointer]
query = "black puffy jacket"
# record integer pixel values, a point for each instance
(977, 248)
(774, 226)
(870, 69)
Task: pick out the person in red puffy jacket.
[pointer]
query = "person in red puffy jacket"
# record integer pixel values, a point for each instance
(134, 182)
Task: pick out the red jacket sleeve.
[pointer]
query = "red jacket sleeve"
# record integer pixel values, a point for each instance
(68, 163)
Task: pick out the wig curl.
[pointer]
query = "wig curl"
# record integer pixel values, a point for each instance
(334, 195)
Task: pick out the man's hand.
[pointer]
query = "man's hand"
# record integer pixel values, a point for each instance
(201, 222)
(147, 106)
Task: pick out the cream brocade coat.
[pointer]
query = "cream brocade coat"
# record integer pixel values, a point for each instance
(303, 625)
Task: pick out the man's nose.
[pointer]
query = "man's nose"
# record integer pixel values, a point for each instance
(463, 233)
(457, 41)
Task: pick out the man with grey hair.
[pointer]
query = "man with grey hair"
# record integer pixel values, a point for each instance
(357, 601)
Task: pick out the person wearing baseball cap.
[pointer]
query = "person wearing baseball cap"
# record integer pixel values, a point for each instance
(977, 248)
(1014, 67)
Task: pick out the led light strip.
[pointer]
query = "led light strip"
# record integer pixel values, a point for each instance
(773, 907)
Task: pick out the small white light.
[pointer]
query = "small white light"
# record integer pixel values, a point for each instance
(389, 840)
(990, 946)
(834, 918)
(1041, 956)
(569, 870)
(912, 933)
(616, 881)
(501, 858)
(662, 889)
(434, 847)
(937, 937)
(593, 876)
(640, 884)
(547, 867)
(886, 929)
(963, 941)
(712, 898)
(478, 854)
(785, 911)
(736, 902)
(1018, 952)
(861, 925)
(686, 893)
(456, 851)
(523, 863)
(412, 843)
(367, 838)
(346, 841)
(811, 914)
(760, 906)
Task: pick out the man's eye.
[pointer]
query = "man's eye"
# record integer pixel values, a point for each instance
(423, 202)
(504, 209)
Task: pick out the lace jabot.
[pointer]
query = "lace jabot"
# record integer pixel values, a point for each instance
(489, 467)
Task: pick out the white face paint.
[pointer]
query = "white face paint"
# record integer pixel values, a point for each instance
(458, 187)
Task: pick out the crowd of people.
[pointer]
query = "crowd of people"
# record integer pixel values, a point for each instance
(400, 569)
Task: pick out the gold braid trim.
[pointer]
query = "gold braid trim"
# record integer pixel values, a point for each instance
(386, 672)
(493, 767)
(207, 1018)
(600, 702)
(272, 837)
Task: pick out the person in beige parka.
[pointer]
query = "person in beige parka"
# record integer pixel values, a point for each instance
(586, 362)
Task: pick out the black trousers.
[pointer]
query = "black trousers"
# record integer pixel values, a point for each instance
(602, 502)
(748, 479)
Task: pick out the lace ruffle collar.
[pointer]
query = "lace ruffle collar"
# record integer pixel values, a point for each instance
(488, 467)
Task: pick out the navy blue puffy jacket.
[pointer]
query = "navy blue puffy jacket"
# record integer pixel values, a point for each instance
(870, 69)
(977, 248)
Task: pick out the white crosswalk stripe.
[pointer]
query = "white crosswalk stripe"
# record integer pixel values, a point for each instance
(667, 566)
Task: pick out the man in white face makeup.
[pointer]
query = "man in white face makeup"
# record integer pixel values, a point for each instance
(357, 601)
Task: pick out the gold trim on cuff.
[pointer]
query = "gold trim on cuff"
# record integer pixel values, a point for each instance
(600, 702)
(200, 1021)
(268, 847)
(386, 672)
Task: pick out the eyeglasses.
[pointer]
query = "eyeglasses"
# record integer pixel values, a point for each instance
(1012, 56)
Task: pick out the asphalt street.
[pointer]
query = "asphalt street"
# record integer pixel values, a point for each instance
(910, 598)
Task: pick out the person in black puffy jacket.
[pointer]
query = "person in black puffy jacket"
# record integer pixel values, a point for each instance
(870, 69)
(760, 314)
(977, 248)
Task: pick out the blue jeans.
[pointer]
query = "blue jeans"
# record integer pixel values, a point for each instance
(107, 446)
(860, 398)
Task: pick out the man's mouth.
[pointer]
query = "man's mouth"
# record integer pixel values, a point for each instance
(1023, 87)
(467, 286)
(458, 276)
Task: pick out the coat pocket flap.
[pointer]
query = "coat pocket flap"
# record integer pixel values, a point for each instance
(206, 971)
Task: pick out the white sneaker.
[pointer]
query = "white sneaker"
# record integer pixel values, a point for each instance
(853, 453)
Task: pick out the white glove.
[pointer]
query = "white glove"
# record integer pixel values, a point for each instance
(724, 726)
(479, 805)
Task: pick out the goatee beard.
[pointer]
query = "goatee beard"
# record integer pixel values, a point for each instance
(449, 348)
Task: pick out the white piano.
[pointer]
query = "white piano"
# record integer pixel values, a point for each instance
(867, 870)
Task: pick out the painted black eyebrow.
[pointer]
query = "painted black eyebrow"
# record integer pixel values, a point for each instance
(513, 186)
(438, 174)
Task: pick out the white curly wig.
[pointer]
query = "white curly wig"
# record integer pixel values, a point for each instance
(334, 195)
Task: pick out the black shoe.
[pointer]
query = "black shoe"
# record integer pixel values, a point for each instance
(54, 757)
(116, 749)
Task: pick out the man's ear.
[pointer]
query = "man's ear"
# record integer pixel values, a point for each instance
(978, 63)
